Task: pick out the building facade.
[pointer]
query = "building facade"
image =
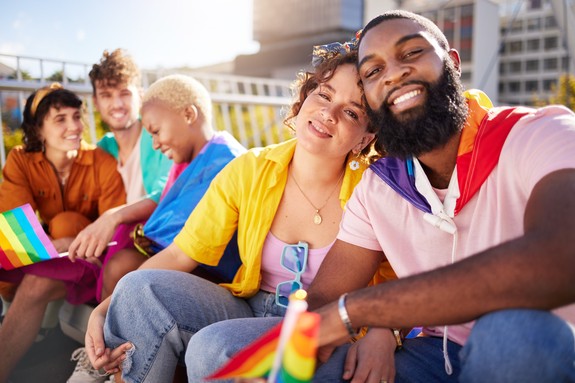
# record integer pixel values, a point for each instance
(513, 50)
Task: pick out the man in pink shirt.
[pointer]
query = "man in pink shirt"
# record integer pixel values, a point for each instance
(475, 210)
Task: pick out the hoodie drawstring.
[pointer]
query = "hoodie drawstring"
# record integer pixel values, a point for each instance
(445, 223)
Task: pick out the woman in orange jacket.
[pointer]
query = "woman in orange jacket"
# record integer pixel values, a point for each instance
(69, 183)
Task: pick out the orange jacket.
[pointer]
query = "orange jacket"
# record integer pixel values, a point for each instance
(93, 186)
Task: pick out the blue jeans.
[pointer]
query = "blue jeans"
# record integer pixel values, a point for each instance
(215, 344)
(159, 311)
(504, 346)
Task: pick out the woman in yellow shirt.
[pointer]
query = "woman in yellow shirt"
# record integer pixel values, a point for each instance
(282, 199)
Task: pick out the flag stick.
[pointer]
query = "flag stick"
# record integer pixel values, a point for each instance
(296, 306)
(65, 254)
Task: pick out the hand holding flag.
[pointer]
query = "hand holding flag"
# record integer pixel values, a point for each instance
(23, 240)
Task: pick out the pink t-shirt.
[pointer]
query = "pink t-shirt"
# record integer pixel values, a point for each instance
(273, 272)
(131, 173)
(378, 218)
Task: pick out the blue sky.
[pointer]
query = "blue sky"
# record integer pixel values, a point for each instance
(158, 33)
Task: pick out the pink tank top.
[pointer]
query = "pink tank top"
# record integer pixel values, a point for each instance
(273, 272)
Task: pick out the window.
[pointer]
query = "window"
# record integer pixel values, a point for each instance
(534, 24)
(550, 22)
(515, 46)
(531, 65)
(502, 68)
(535, 4)
(515, 67)
(501, 87)
(517, 26)
(550, 63)
(467, 10)
(549, 84)
(533, 45)
(514, 86)
(532, 86)
(466, 76)
(550, 43)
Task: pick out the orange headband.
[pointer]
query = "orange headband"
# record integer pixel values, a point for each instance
(41, 93)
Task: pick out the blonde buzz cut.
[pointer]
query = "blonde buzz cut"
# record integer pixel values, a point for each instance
(180, 91)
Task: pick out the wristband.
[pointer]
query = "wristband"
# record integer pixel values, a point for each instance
(344, 316)
(397, 335)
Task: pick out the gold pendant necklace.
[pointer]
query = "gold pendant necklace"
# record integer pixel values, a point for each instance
(317, 218)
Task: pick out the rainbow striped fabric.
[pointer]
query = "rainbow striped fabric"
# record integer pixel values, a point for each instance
(298, 360)
(22, 239)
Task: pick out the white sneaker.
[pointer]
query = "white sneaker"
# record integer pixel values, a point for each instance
(84, 372)
(112, 379)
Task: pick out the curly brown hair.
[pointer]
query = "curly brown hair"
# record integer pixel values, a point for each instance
(115, 68)
(307, 82)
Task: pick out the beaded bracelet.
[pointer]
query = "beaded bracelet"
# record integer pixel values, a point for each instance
(344, 315)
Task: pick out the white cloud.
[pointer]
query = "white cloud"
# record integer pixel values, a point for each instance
(80, 35)
(12, 48)
(16, 24)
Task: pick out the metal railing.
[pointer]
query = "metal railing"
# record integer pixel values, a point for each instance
(249, 108)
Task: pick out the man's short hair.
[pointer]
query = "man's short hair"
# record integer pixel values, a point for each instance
(424, 22)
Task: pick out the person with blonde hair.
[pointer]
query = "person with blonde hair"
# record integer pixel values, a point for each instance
(68, 183)
(177, 112)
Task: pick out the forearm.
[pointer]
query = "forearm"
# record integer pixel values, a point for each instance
(171, 258)
(136, 212)
(511, 275)
(345, 268)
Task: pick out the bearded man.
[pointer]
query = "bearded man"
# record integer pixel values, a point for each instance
(475, 210)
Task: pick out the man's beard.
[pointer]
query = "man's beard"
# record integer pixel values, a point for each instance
(424, 128)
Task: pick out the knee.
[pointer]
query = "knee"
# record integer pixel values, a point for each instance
(516, 345)
(67, 224)
(119, 265)
(206, 352)
(132, 284)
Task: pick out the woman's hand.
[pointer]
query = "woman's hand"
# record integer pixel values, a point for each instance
(100, 356)
(91, 242)
(371, 359)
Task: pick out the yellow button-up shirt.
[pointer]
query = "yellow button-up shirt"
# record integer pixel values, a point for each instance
(245, 196)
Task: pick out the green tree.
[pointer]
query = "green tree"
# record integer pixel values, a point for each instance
(562, 94)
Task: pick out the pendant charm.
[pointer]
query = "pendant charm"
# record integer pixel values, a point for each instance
(317, 218)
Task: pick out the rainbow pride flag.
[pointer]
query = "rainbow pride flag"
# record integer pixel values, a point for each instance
(298, 360)
(295, 358)
(22, 239)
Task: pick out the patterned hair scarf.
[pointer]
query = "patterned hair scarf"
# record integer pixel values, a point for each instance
(325, 52)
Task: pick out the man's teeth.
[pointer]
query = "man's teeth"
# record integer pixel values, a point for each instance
(406, 96)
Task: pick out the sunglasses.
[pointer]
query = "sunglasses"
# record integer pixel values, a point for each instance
(294, 259)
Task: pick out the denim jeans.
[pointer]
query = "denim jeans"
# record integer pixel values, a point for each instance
(215, 344)
(504, 346)
(159, 311)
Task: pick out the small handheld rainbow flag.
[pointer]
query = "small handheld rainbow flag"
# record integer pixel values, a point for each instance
(285, 354)
(22, 239)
